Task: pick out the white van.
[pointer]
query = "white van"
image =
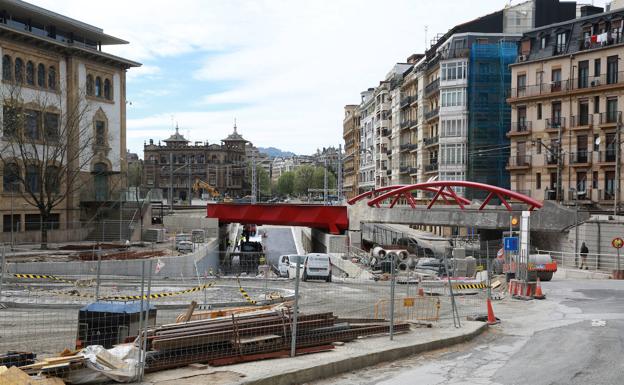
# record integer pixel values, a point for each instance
(288, 263)
(317, 266)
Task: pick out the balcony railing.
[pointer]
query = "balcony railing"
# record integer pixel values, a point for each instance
(385, 132)
(430, 114)
(432, 87)
(607, 156)
(431, 141)
(404, 169)
(610, 117)
(432, 166)
(406, 101)
(389, 171)
(413, 170)
(550, 159)
(406, 124)
(520, 161)
(581, 157)
(582, 120)
(521, 127)
(408, 147)
(555, 123)
(568, 85)
(612, 38)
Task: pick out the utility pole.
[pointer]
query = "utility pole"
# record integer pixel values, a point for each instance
(254, 185)
(190, 193)
(171, 182)
(616, 187)
(325, 181)
(339, 181)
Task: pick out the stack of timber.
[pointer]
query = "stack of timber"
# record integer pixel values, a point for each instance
(55, 365)
(252, 336)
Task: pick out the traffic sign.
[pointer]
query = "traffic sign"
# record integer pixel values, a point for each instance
(511, 243)
(514, 221)
(617, 242)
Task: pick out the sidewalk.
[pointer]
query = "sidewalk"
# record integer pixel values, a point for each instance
(572, 273)
(351, 356)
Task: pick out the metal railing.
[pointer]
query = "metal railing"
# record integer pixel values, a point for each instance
(555, 123)
(406, 101)
(610, 117)
(408, 147)
(521, 126)
(433, 166)
(568, 85)
(582, 120)
(431, 141)
(432, 87)
(430, 114)
(550, 159)
(607, 156)
(593, 261)
(520, 161)
(581, 156)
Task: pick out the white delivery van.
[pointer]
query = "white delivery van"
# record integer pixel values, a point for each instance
(287, 264)
(317, 266)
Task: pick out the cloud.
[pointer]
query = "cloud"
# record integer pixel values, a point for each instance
(145, 71)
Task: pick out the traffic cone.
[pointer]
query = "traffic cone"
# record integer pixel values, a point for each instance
(491, 320)
(421, 292)
(538, 291)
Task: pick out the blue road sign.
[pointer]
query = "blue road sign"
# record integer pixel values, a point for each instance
(511, 243)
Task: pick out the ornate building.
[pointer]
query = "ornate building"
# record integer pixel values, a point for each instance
(177, 164)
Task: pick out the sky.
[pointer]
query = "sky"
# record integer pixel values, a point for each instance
(284, 69)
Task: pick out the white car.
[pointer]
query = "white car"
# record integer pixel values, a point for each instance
(317, 266)
(287, 264)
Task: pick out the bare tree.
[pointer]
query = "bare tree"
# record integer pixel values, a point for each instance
(47, 140)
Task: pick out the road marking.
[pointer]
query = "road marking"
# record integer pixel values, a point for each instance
(598, 322)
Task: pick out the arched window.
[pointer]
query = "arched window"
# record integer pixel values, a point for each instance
(19, 70)
(30, 73)
(52, 78)
(107, 89)
(90, 85)
(10, 179)
(33, 177)
(100, 133)
(41, 75)
(98, 87)
(6, 67)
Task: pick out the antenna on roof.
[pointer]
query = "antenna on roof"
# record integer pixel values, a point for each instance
(426, 28)
(235, 125)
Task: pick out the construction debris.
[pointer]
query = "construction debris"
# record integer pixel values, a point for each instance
(13, 358)
(15, 376)
(252, 336)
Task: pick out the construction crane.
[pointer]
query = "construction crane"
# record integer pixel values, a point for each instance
(200, 184)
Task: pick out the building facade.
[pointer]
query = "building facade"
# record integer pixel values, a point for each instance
(567, 98)
(174, 166)
(351, 136)
(57, 70)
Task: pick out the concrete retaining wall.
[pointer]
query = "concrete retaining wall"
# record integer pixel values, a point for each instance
(206, 257)
(322, 242)
(185, 223)
(54, 236)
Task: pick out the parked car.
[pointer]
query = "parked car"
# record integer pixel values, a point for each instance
(317, 266)
(288, 263)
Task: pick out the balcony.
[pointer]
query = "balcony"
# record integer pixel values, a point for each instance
(581, 158)
(555, 123)
(582, 122)
(606, 158)
(431, 114)
(389, 171)
(432, 166)
(389, 151)
(413, 170)
(572, 85)
(550, 160)
(406, 101)
(612, 38)
(522, 127)
(406, 124)
(408, 147)
(431, 141)
(385, 132)
(432, 87)
(519, 162)
(607, 195)
(610, 118)
(404, 169)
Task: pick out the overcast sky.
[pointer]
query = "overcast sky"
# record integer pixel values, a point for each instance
(283, 68)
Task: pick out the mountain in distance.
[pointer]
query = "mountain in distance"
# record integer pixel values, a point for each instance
(275, 152)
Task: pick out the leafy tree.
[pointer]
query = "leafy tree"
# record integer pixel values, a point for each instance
(304, 179)
(286, 183)
(264, 182)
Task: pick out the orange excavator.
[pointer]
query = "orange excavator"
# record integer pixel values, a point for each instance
(200, 184)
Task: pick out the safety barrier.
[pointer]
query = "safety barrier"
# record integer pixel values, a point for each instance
(417, 308)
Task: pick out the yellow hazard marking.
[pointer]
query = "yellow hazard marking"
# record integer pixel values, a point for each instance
(244, 293)
(109, 298)
(466, 286)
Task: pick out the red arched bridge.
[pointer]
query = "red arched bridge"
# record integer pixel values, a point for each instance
(335, 219)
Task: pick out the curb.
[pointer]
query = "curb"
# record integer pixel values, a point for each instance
(360, 362)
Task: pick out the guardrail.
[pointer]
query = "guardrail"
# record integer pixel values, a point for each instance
(594, 261)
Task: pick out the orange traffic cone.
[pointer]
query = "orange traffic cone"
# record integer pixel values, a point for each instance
(538, 290)
(421, 292)
(491, 320)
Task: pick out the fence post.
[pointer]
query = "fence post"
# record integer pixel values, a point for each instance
(2, 269)
(146, 319)
(392, 282)
(140, 333)
(293, 334)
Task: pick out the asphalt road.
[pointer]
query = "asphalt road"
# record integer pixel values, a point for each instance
(574, 337)
(279, 241)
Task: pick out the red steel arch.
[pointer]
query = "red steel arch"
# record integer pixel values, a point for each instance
(444, 189)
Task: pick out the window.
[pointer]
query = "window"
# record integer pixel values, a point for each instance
(556, 115)
(54, 221)
(561, 42)
(453, 71)
(107, 89)
(98, 87)
(10, 178)
(612, 112)
(52, 179)
(31, 126)
(6, 226)
(556, 80)
(538, 146)
(100, 133)
(52, 78)
(453, 97)
(543, 42)
(32, 222)
(453, 127)
(51, 126)
(539, 111)
(612, 69)
(581, 183)
(6, 68)
(538, 181)
(596, 104)
(609, 184)
(33, 177)
(30, 73)
(522, 119)
(521, 84)
(19, 70)
(10, 121)
(583, 118)
(41, 75)
(597, 67)
(452, 154)
(595, 179)
(596, 144)
(583, 74)
(90, 85)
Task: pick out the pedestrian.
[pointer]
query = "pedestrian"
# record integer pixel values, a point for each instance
(584, 251)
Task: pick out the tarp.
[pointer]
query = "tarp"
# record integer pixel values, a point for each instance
(117, 307)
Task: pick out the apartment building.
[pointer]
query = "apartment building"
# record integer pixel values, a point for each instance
(567, 98)
(53, 69)
(410, 134)
(368, 148)
(351, 162)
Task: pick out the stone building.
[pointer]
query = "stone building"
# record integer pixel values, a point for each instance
(176, 164)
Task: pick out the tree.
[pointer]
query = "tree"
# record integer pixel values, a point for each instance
(286, 183)
(47, 141)
(304, 178)
(264, 182)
